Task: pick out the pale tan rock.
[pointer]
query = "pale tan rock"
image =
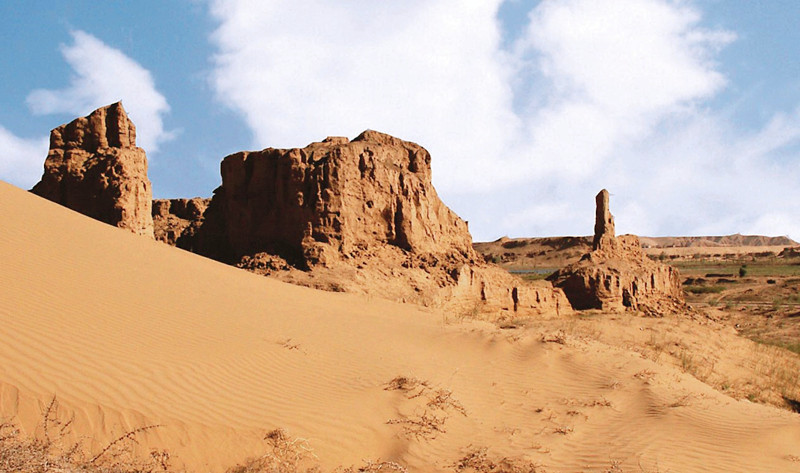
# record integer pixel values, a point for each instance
(617, 275)
(604, 221)
(95, 168)
(330, 199)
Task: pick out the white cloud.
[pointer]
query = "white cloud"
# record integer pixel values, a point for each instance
(427, 71)
(21, 159)
(705, 176)
(615, 68)
(103, 75)
(629, 57)
(592, 94)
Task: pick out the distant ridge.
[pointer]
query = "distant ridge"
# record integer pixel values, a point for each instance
(555, 252)
(736, 239)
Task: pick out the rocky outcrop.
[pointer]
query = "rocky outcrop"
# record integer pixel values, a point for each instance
(94, 167)
(177, 221)
(359, 216)
(335, 198)
(792, 252)
(617, 275)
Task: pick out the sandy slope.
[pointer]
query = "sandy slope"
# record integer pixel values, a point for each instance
(128, 332)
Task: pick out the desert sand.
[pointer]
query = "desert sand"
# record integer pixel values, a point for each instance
(128, 332)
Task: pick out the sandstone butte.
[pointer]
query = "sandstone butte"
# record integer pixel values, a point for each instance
(358, 216)
(94, 167)
(616, 275)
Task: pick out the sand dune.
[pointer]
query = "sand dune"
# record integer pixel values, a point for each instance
(128, 332)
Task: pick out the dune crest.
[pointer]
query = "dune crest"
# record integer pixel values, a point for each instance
(127, 332)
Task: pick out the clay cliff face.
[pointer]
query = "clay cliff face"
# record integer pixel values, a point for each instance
(177, 221)
(94, 167)
(617, 275)
(358, 216)
(336, 198)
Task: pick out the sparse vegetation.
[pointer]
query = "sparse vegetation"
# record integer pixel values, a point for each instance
(413, 387)
(52, 451)
(294, 455)
(687, 361)
(559, 337)
(285, 455)
(427, 421)
(771, 268)
(791, 346)
(704, 289)
(537, 275)
(477, 460)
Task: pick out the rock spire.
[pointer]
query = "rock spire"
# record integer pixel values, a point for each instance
(604, 221)
(617, 275)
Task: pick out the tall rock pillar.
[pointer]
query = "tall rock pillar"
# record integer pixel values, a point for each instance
(604, 221)
(617, 275)
(94, 167)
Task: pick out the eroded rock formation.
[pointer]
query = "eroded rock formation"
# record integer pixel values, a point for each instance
(359, 216)
(604, 222)
(617, 275)
(94, 167)
(177, 221)
(335, 198)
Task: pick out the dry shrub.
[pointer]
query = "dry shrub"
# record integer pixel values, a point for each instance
(442, 399)
(645, 375)
(375, 467)
(559, 337)
(683, 401)
(289, 344)
(477, 460)
(286, 455)
(615, 467)
(425, 426)
(413, 387)
(52, 452)
(294, 455)
(428, 422)
(601, 402)
(563, 430)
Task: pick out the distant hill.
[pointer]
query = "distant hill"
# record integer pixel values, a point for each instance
(555, 252)
(712, 241)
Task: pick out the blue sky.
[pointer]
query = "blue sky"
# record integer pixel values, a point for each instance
(688, 111)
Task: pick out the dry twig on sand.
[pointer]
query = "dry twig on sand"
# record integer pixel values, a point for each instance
(477, 460)
(408, 385)
(53, 452)
(286, 455)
